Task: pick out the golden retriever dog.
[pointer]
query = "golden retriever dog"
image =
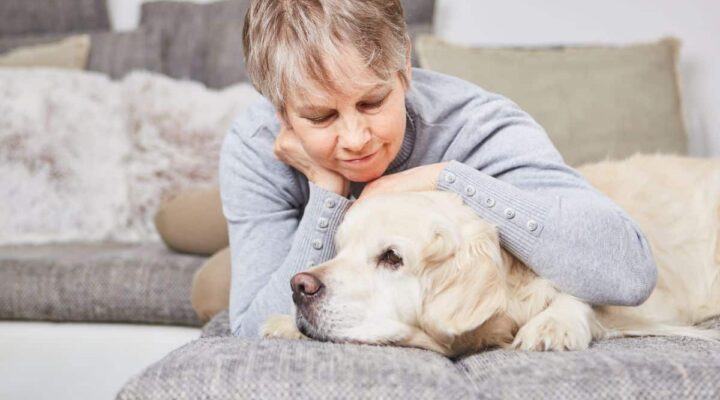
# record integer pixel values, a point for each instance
(421, 269)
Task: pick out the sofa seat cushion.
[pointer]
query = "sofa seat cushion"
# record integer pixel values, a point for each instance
(219, 365)
(144, 283)
(218, 326)
(228, 367)
(639, 368)
(648, 367)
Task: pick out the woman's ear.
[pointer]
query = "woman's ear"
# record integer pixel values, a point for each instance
(466, 290)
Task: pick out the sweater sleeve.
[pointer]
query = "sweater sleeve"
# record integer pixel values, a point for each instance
(506, 169)
(271, 236)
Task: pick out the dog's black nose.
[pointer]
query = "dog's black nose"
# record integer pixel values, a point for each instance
(306, 287)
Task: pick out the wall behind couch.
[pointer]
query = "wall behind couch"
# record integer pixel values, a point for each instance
(527, 22)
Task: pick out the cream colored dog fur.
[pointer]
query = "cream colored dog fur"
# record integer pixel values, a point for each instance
(457, 291)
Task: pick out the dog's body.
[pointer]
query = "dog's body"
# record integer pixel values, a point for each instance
(675, 201)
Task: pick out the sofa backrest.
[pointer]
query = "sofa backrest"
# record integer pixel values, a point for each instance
(203, 42)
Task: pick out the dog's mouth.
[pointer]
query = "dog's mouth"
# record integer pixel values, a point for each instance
(307, 329)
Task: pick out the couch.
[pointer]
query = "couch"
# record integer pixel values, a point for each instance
(104, 271)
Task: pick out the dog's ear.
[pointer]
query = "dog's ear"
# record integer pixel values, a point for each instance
(468, 288)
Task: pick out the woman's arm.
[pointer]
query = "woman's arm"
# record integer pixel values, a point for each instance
(271, 239)
(506, 169)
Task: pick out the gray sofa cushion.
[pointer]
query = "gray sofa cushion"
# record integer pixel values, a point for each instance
(220, 366)
(20, 17)
(118, 53)
(218, 326)
(108, 282)
(226, 367)
(203, 42)
(112, 53)
(629, 368)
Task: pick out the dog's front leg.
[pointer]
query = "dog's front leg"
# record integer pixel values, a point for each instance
(566, 324)
(281, 326)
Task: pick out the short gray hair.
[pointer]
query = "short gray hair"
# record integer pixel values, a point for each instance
(292, 44)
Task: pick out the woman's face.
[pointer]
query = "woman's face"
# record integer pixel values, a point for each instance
(356, 130)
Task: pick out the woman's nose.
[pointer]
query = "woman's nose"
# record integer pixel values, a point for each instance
(355, 134)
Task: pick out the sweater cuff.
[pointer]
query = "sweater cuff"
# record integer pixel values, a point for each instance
(519, 215)
(322, 216)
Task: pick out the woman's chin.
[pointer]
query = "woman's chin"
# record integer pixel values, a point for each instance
(362, 177)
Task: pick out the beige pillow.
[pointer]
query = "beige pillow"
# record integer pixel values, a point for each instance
(193, 222)
(594, 102)
(69, 53)
(210, 292)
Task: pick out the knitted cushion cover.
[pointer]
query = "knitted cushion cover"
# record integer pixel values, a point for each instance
(220, 366)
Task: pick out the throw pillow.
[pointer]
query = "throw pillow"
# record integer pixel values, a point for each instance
(20, 17)
(193, 221)
(203, 42)
(210, 290)
(595, 102)
(176, 129)
(13, 42)
(87, 159)
(70, 53)
(119, 53)
(62, 145)
(112, 53)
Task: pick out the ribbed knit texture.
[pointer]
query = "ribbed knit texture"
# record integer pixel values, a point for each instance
(501, 162)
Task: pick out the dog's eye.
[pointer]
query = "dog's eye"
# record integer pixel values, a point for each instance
(390, 258)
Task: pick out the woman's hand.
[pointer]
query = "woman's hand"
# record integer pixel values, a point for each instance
(415, 179)
(289, 149)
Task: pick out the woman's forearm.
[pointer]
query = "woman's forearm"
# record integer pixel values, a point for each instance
(251, 302)
(573, 236)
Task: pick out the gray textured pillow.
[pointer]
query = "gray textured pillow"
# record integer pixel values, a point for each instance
(418, 11)
(203, 42)
(21, 17)
(118, 53)
(595, 102)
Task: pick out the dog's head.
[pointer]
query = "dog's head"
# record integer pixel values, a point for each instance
(415, 269)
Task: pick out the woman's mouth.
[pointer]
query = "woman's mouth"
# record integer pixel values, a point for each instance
(361, 161)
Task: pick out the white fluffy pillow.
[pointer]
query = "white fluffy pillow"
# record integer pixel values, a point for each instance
(62, 140)
(177, 130)
(83, 158)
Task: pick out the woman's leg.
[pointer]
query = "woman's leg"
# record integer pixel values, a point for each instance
(211, 285)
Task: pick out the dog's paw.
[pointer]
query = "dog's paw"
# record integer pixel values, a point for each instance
(548, 333)
(281, 326)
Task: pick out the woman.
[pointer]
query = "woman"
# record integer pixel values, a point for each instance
(345, 116)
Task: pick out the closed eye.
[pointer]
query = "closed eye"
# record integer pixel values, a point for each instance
(320, 120)
(368, 106)
(374, 105)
